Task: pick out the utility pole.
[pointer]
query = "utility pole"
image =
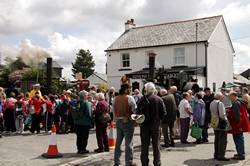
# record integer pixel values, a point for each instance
(0, 58)
(196, 51)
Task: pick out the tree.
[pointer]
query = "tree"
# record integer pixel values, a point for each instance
(18, 64)
(6, 70)
(4, 77)
(84, 63)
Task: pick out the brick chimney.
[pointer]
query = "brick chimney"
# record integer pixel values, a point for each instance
(129, 24)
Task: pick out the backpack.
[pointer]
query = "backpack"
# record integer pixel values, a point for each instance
(10, 104)
(144, 108)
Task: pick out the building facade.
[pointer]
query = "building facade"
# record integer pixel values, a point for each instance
(185, 51)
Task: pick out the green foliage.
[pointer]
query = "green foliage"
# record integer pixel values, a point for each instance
(34, 74)
(4, 77)
(11, 66)
(18, 64)
(84, 63)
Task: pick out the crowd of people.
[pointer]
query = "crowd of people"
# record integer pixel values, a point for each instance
(171, 114)
(166, 112)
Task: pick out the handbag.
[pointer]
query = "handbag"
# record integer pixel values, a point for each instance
(196, 131)
(105, 118)
(214, 122)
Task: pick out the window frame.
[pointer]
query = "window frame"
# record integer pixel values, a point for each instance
(124, 60)
(179, 57)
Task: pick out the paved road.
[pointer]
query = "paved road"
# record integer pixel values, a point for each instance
(27, 149)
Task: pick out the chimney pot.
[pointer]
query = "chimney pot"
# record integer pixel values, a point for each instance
(129, 24)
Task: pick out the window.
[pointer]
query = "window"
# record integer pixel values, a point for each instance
(125, 60)
(179, 56)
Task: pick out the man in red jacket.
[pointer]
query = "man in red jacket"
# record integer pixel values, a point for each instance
(239, 122)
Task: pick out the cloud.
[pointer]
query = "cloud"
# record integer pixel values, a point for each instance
(61, 48)
(241, 60)
(70, 25)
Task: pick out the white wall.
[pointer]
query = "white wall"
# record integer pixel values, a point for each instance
(93, 79)
(220, 58)
(138, 60)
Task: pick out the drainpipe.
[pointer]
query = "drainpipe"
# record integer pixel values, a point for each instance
(206, 69)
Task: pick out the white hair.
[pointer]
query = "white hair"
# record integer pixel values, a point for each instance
(218, 95)
(163, 92)
(150, 88)
(100, 96)
(112, 89)
(190, 91)
(83, 93)
(173, 89)
(92, 94)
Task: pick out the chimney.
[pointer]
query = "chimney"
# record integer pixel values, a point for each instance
(49, 74)
(129, 24)
(151, 57)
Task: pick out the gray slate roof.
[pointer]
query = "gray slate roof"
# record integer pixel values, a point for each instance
(166, 34)
(55, 65)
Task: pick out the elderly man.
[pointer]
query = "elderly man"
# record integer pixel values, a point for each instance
(239, 122)
(168, 121)
(220, 140)
(154, 110)
(124, 106)
(173, 90)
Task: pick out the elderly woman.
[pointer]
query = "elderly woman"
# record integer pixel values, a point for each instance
(185, 114)
(199, 113)
(220, 140)
(83, 122)
(101, 121)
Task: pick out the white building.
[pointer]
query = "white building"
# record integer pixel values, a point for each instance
(175, 45)
(97, 78)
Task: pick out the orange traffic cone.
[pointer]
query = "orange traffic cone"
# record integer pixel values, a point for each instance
(52, 150)
(111, 136)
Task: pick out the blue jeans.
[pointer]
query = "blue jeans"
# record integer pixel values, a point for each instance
(239, 143)
(124, 130)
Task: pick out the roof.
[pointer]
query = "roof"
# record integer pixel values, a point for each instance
(167, 34)
(240, 79)
(101, 76)
(55, 65)
(246, 73)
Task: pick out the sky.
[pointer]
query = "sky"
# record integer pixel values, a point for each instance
(62, 27)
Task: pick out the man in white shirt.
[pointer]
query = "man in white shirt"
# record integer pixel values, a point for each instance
(124, 106)
(185, 113)
(220, 141)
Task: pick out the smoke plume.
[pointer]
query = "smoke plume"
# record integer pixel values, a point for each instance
(32, 55)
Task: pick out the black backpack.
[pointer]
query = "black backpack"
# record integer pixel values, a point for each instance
(144, 108)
